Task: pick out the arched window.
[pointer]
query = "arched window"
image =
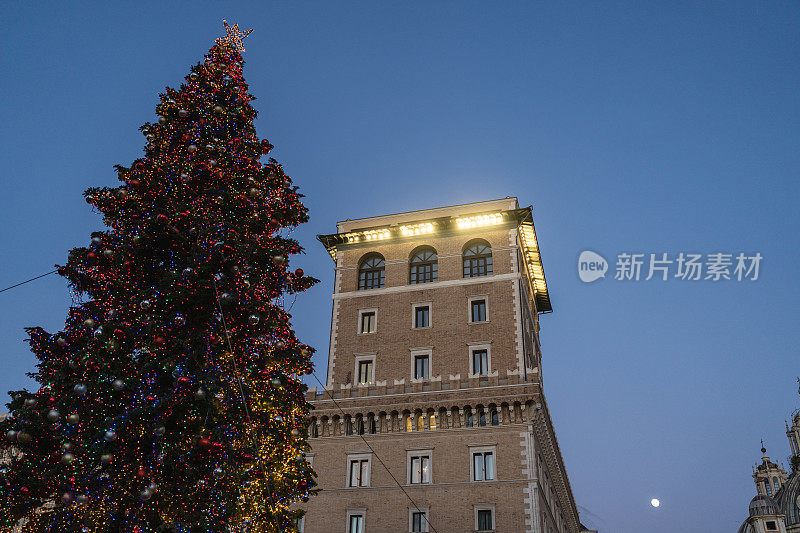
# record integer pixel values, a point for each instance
(769, 487)
(432, 421)
(775, 484)
(371, 272)
(373, 428)
(424, 266)
(495, 417)
(470, 418)
(348, 426)
(409, 423)
(420, 423)
(314, 430)
(360, 425)
(477, 259)
(481, 417)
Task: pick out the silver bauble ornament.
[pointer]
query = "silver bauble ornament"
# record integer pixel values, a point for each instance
(53, 415)
(253, 319)
(79, 389)
(118, 384)
(110, 436)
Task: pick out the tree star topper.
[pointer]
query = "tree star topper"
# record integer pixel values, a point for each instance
(234, 36)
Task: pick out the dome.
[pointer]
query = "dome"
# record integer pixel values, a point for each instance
(763, 505)
(788, 499)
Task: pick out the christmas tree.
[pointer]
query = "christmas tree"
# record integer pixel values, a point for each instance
(171, 400)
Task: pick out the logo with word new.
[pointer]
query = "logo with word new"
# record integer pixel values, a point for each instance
(591, 266)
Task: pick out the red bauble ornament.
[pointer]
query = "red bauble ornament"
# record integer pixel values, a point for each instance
(160, 341)
(162, 218)
(204, 444)
(139, 165)
(91, 256)
(134, 183)
(266, 147)
(299, 272)
(119, 334)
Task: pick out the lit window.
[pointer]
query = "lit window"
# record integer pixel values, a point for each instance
(422, 315)
(371, 272)
(356, 523)
(480, 362)
(419, 522)
(485, 520)
(359, 473)
(366, 371)
(421, 366)
(432, 421)
(420, 469)
(478, 311)
(424, 266)
(477, 259)
(482, 466)
(368, 322)
(409, 424)
(420, 423)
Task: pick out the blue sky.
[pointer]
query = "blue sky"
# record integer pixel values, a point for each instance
(664, 127)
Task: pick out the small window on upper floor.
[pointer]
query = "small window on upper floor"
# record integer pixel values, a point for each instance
(371, 272)
(423, 266)
(772, 525)
(477, 259)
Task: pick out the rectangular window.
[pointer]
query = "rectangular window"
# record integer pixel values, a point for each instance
(483, 466)
(485, 522)
(478, 310)
(419, 522)
(365, 372)
(422, 316)
(368, 323)
(356, 523)
(480, 362)
(772, 526)
(421, 366)
(420, 469)
(359, 473)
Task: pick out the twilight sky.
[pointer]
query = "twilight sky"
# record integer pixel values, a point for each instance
(630, 128)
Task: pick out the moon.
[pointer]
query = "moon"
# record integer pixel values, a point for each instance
(654, 502)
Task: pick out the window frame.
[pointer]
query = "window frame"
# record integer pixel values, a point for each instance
(359, 457)
(414, 307)
(361, 313)
(485, 507)
(413, 277)
(428, 352)
(476, 298)
(488, 260)
(482, 449)
(419, 452)
(356, 512)
(419, 509)
(371, 271)
(359, 358)
(475, 348)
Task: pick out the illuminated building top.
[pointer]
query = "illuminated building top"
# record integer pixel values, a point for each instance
(447, 221)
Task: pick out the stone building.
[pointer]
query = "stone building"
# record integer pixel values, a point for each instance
(776, 506)
(433, 417)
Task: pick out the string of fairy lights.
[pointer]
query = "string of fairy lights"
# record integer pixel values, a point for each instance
(314, 375)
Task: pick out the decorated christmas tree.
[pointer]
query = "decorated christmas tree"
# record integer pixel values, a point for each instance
(171, 401)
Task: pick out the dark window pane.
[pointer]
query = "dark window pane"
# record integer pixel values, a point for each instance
(484, 520)
(495, 418)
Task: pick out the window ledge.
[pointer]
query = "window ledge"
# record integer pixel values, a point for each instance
(481, 322)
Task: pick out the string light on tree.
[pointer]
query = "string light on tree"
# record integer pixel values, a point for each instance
(170, 401)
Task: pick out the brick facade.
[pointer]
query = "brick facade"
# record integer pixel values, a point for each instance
(453, 412)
